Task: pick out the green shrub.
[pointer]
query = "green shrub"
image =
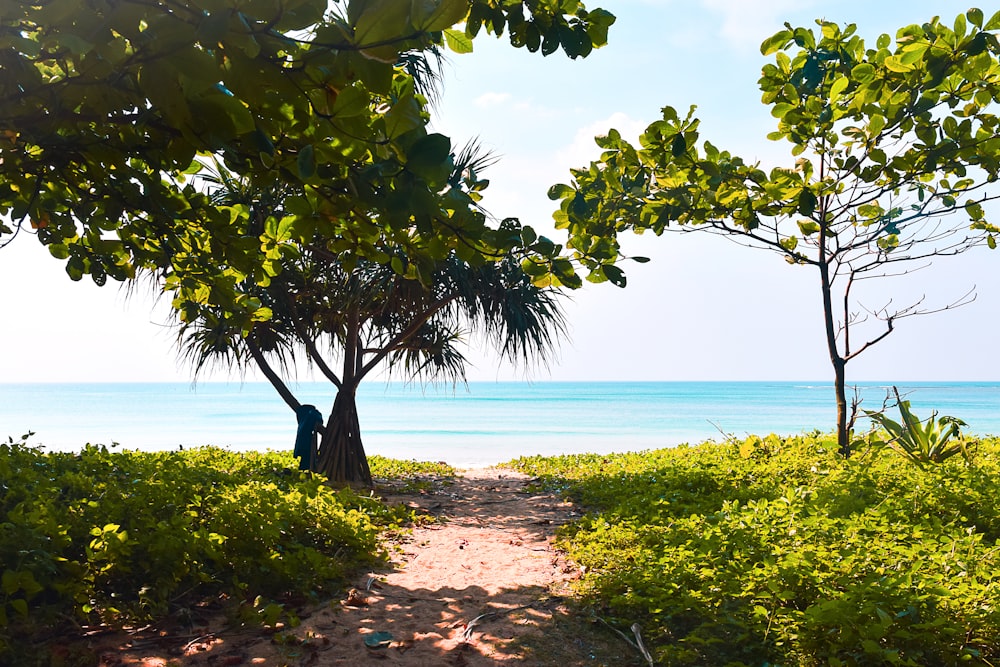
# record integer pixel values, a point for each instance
(776, 551)
(409, 476)
(118, 537)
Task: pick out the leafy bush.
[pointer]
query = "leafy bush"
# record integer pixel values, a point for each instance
(119, 537)
(777, 551)
(383, 467)
(408, 476)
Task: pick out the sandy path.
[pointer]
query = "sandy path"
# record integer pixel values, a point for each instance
(462, 590)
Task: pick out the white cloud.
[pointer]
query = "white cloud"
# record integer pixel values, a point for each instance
(583, 149)
(493, 101)
(488, 100)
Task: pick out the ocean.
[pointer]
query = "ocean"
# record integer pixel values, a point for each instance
(479, 424)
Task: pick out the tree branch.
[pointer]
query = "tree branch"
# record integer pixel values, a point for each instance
(271, 375)
(310, 345)
(877, 339)
(406, 333)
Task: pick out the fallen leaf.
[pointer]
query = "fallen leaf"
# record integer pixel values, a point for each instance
(356, 598)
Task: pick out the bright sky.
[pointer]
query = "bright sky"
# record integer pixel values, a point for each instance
(703, 309)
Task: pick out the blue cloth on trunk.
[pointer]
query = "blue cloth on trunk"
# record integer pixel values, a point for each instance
(309, 419)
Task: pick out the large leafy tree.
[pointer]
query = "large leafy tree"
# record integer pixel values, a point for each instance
(106, 105)
(369, 317)
(110, 111)
(895, 147)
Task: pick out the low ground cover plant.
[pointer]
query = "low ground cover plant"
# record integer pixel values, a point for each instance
(408, 476)
(105, 537)
(777, 551)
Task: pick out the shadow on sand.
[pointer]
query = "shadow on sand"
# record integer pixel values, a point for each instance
(479, 585)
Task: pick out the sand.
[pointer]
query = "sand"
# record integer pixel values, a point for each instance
(479, 585)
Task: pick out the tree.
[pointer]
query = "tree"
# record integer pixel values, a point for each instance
(889, 142)
(370, 316)
(106, 105)
(110, 110)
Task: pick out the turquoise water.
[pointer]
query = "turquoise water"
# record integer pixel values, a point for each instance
(478, 425)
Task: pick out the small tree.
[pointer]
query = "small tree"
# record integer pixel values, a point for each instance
(369, 315)
(888, 143)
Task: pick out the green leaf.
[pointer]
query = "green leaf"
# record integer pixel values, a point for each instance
(458, 41)
(839, 86)
(807, 202)
(560, 191)
(678, 146)
(808, 227)
(299, 206)
(306, 162)
(991, 242)
(913, 55)
(960, 26)
(263, 142)
(351, 101)
(974, 209)
(262, 314)
(789, 243)
(429, 157)
(382, 22)
(614, 274)
(10, 582)
(993, 23)
(59, 250)
(405, 115)
(863, 72)
(598, 22)
(20, 606)
(876, 124)
(578, 207)
(438, 15)
(544, 247)
(775, 42)
(895, 63)
(781, 109)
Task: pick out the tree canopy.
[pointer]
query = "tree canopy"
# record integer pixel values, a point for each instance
(895, 151)
(108, 108)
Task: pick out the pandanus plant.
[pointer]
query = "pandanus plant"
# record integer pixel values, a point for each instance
(371, 316)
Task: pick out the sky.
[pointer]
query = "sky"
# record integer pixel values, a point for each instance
(704, 308)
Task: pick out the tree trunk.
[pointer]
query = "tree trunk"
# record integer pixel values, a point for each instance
(830, 325)
(341, 456)
(840, 387)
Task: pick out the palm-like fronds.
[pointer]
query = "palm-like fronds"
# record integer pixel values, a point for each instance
(312, 297)
(368, 316)
(431, 354)
(425, 67)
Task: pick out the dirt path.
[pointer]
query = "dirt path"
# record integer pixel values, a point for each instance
(479, 586)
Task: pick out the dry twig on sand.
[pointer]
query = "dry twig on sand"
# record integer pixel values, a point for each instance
(637, 644)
